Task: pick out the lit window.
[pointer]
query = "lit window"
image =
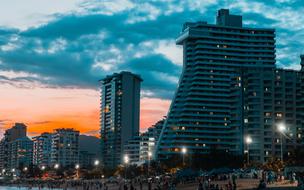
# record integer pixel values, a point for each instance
(119, 92)
(218, 46)
(246, 120)
(279, 115)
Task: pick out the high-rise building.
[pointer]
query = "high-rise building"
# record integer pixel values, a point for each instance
(119, 114)
(20, 153)
(227, 91)
(140, 149)
(65, 147)
(42, 145)
(16, 132)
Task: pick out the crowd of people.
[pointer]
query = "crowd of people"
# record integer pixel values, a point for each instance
(218, 182)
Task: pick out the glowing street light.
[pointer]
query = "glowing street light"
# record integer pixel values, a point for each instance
(13, 170)
(96, 162)
(77, 166)
(281, 129)
(248, 141)
(149, 160)
(126, 161)
(56, 166)
(184, 151)
(25, 169)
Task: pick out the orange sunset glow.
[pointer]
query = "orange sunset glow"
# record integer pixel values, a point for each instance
(44, 109)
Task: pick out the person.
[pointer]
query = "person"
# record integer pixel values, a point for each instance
(234, 181)
(125, 187)
(262, 185)
(149, 185)
(200, 186)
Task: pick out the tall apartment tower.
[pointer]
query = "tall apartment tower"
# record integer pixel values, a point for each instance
(16, 132)
(20, 153)
(119, 114)
(42, 145)
(220, 96)
(65, 147)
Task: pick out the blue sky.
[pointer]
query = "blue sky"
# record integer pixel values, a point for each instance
(73, 44)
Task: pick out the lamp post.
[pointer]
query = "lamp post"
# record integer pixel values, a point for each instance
(96, 164)
(126, 161)
(77, 166)
(281, 129)
(184, 151)
(3, 171)
(248, 141)
(149, 161)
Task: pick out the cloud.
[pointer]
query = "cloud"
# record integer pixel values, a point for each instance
(77, 48)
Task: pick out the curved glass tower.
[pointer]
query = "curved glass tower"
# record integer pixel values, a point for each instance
(209, 109)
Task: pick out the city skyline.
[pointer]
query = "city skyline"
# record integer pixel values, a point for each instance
(50, 63)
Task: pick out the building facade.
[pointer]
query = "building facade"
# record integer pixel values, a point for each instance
(20, 153)
(42, 149)
(18, 131)
(140, 149)
(119, 115)
(65, 147)
(227, 91)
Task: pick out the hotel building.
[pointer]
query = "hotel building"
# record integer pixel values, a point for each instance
(230, 88)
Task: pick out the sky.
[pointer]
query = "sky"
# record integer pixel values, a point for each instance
(53, 52)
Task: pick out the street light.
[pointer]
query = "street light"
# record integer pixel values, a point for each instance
(25, 169)
(149, 160)
(56, 166)
(96, 162)
(184, 151)
(281, 129)
(248, 141)
(126, 160)
(77, 170)
(42, 168)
